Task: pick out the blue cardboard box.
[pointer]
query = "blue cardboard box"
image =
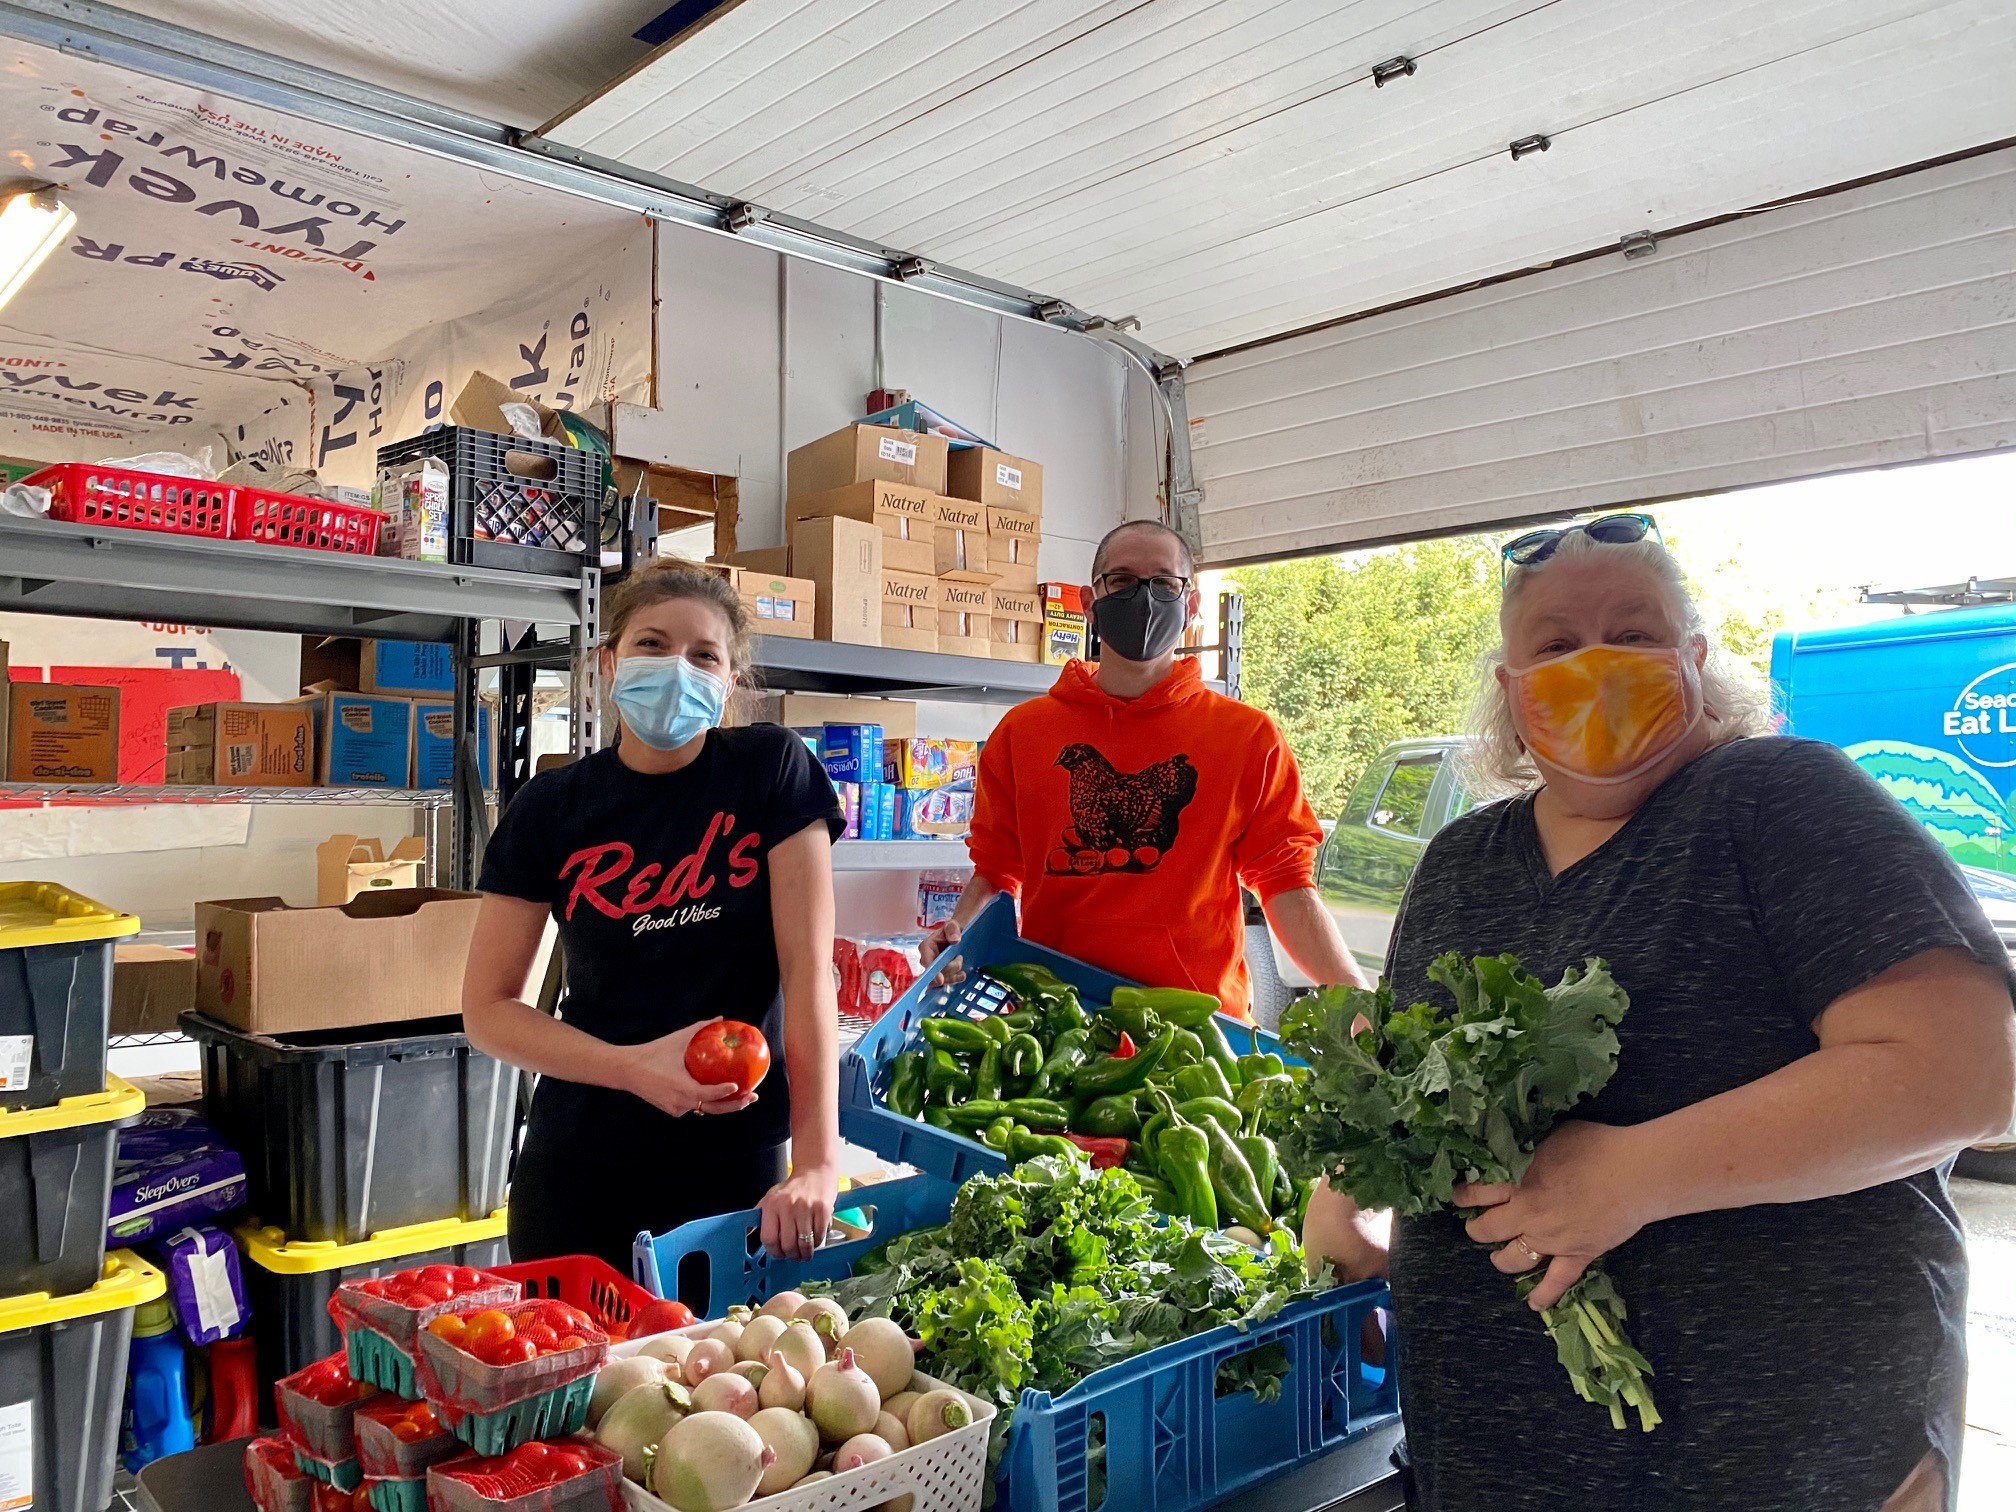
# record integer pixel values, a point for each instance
(414, 669)
(434, 745)
(366, 740)
(852, 753)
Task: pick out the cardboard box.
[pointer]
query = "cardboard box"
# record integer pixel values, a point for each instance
(960, 554)
(1017, 577)
(909, 638)
(776, 605)
(903, 511)
(959, 514)
(241, 745)
(860, 453)
(407, 669)
(62, 733)
(807, 711)
(434, 744)
(4, 702)
(1012, 604)
(346, 865)
(771, 561)
(994, 477)
(963, 619)
(382, 958)
(1014, 525)
(1064, 628)
(909, 601)
(972, 641)
(152, 987)
(363, 739)
(843, 559)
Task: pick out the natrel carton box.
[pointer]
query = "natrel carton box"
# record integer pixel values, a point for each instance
(905, 513)
(909, 611)
(994, 477)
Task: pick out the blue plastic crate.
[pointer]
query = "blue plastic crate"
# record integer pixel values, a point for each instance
(1171, 1443)
(864, 1070)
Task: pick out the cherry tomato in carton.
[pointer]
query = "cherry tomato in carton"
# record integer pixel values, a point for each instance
(515, 1351)
(728, 1051)
(572, 1341)
(564, 1316)
(661, 1316)
(541, 1336)
(451, 1326)
(429, 1293)
(486, 1329)
(565, 1464)
(443, 1273)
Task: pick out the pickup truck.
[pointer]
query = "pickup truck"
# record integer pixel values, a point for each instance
(1410, 791)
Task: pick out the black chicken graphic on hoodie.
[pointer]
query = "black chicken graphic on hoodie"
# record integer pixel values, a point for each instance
(1120, 821)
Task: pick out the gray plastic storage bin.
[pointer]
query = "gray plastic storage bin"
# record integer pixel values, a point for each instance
(55, 1189)
(63, 1378)
(55, 991)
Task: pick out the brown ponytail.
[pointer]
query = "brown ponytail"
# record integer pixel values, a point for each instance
(667, 578)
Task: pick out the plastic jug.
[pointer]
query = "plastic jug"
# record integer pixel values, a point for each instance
(234, 1391)
(157, 1421)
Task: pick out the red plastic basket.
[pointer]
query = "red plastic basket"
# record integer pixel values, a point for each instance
(588, 1282)
(278, 519)
(84, 493)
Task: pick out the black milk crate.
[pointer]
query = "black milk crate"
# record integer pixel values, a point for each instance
(499, 516)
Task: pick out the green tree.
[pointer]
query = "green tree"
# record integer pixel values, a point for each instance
(1350, 653)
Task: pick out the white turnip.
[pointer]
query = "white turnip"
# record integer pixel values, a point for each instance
(891, 1430)
(671, 1348)
(642, 1417)
(883, 1350)
(816, 1475)
(841, 1398)
(898, 1406)
(709, 1462)
(937, 1413)
(725, 1391)
(783, 1386)
(729, 1332)
(759, 1337)
(828, 1319)
(862, 1449)
(752, 1371)
(619, 1377)
(707, 1357)
(802, 1347)
(784, 1305)
(794, 1442)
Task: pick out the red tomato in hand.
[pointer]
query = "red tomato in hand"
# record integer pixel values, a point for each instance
(661, 1317)
(727, 1051)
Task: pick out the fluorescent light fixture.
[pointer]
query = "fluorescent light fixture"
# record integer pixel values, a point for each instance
(33, 223)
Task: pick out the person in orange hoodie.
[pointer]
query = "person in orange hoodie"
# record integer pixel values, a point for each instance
(1127, 807)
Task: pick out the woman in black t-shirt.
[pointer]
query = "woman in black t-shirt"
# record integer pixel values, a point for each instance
(690, 872)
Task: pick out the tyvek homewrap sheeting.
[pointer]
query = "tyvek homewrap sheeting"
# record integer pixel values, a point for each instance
(304, 293)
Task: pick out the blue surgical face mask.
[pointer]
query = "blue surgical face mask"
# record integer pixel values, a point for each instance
(665, 700)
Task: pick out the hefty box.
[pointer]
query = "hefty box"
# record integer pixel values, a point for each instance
(995, 478)
(865, 453)
(381, 958)
(904, 514)
(921, 763)
(434, 745)
(365, 739)
(241, 745)
(60, 733)
(1064, 624)
(843, 557)
(851, 752)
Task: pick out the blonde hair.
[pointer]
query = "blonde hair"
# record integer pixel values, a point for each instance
(1496, 764)
(667, 578)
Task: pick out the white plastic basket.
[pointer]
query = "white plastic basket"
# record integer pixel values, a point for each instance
(947, 1474)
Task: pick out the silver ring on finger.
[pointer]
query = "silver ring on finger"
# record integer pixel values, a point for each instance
(805, 1237)
(1533, 1256)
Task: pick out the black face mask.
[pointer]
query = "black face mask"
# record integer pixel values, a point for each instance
(1137, 625)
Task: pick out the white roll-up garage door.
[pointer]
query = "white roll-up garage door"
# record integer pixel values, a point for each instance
(1872, 326)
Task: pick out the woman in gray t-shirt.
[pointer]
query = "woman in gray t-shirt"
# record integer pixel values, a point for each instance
(1820, 1018)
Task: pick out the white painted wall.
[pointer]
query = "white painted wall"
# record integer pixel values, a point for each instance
(759, 354)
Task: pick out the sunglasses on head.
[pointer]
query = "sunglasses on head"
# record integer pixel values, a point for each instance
(1536, 546)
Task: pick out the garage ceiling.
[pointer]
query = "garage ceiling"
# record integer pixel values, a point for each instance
(1228, 171)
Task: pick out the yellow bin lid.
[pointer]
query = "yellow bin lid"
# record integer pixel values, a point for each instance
(120, 1099)
(270, 1249)
(128, 1281)
(42, 913)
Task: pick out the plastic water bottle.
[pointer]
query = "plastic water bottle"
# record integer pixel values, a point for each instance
(157, 1421)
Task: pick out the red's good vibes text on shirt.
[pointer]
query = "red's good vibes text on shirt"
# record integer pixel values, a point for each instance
(605, 881)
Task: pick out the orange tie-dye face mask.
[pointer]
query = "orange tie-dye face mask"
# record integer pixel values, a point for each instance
(1605, 713)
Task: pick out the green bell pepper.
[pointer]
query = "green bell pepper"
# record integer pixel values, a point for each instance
(997, 1029)
(956, 1034)
(906, 1084)
(1136, 1018)
(1215, 1110)
(945, 1080)
(1150, 1132)
(1173, 1005)
(987, 1079)
(1038, 1112)
(1252, 1067)
(995, 1135)
(1114, 1116)
(1187, 1051)
(1023, 1145)
(1023, 1057)
(1217, 1047)
(1183, 1159)
(1026, 979)
(1022, 1020)
(940, 1117)
(1266, 1163)
(1067, 1054)
(1101, 1077)
(1206, 1079)
(1232, 1180)
(1063, 1013)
